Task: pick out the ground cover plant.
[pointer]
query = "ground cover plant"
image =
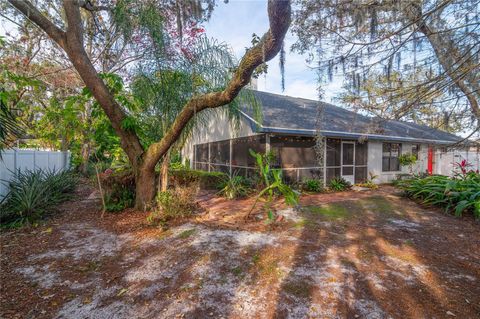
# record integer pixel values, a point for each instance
(339, 184)
(458, 194)
(235, 187)
(313, 185)
(35, 193)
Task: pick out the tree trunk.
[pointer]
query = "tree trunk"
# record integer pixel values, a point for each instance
(144, 189)
(83, 168)
(164, 172)
(144, 162)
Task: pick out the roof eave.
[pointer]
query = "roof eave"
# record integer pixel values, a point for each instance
(257, 127)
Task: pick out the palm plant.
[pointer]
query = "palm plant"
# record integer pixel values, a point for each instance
(273, 184)
(164, 88)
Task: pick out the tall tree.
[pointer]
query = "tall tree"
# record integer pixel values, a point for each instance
(429, 48)
(69, 35)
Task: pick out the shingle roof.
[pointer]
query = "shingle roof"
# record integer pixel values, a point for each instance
(291, 115)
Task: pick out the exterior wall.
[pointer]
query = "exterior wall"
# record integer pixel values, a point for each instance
(375, 151)
(219, 128)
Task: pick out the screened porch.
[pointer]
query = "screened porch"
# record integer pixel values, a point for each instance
(295, 155)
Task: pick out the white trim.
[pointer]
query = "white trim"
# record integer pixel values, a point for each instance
(348, 133)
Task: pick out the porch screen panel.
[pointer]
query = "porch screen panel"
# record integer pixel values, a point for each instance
(202, 153)
(332, 172)
(294, 151)
(220, 156)
(315, 173)
(333, 159)
(220, 152)
(360, 174)
(240, 150)
(334, 148)
(201, 157)
(361, 154)
(361, 158)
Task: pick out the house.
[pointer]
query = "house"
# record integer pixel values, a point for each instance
(314, 139)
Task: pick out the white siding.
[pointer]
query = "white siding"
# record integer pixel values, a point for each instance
(375, 161)
(443, 162)
(219, 128)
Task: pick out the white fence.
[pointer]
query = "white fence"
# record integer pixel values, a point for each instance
(20, 159)
(445, 162)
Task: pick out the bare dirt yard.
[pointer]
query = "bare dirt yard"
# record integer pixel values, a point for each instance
(369, 254)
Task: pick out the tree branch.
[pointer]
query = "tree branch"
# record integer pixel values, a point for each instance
(279, 14)
(32, 13)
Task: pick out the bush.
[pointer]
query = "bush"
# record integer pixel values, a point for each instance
(35, 193)
(205, 180)
(339, 184)
(458, 195)
(313, 185)
(236, 187)
(119, 189)
(175, 203)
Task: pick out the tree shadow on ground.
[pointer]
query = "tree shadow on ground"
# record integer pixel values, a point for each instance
(380, 260)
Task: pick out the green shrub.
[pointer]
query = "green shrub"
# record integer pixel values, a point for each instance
(235, 187)
(178, 202)
(313, 185)
(339, 184)
(119, 198)
(119, 190)
(206, 180)
(35, 193)
(457, 195)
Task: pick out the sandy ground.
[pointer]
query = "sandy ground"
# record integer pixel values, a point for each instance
(349, 255)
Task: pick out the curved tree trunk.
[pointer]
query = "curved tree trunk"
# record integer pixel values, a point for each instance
(163, 178)
(144, 161)
(144, 189)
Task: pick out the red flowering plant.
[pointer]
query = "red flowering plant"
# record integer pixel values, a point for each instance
(463, 168)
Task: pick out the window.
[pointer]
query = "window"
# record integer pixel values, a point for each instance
(391, 152)
(415, 150)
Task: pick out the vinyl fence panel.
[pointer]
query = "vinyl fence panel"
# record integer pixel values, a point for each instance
(21, 159)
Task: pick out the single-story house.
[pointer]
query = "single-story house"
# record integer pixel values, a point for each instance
(353, 146)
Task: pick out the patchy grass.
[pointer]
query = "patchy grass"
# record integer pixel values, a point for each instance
(304, 222)
(187, 233)
(237, 271)
(378, 204)
(330, 211)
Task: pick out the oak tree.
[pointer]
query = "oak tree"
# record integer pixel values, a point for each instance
(67, 30)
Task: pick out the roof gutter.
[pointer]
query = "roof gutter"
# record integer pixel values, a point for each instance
(306, 132)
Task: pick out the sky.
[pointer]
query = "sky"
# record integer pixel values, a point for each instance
(235, 22)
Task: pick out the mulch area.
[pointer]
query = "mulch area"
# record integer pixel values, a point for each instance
(391, 258)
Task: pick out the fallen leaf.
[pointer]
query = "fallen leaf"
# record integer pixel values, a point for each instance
(122, 291)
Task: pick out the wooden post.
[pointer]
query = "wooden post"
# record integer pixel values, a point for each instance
(230, 158)
(208, 160)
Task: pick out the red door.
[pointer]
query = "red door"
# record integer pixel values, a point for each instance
(430, 160)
